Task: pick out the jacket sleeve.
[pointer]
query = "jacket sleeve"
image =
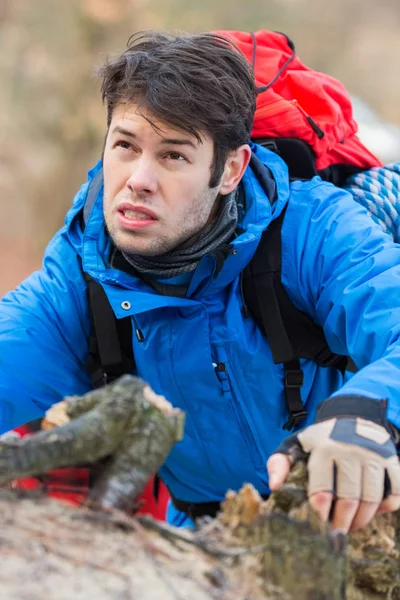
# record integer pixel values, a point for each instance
(339, 267)
(44, 328)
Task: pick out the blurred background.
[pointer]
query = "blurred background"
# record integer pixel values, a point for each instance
(52, 122)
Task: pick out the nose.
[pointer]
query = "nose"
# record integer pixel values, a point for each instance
(143, 177)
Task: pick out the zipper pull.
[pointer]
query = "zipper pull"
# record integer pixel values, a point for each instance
(138, 331)
(222, 375)
(316, 128)
(139, 334)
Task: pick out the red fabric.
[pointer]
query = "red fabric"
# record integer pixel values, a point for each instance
(300, 92)
(71, 485)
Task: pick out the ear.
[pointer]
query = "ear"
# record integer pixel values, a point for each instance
(235, 166)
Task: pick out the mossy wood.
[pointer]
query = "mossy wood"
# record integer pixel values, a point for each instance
(254, 550)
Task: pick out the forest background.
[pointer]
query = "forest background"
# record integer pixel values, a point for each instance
(52, 122)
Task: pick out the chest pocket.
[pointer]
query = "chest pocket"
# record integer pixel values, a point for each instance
(237, 398)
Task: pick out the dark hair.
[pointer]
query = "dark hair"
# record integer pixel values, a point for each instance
(193, 82)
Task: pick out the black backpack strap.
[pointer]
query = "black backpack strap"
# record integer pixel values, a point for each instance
(110, 344)
(259, 283)
(291, 333)
(297, 154)
(301, 161)
(294, 379)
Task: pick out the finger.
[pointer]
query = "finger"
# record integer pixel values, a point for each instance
(365, 513)
(393, 471)
(348, 491)
(349, 474)
(321, 472)
(373, 483)
(372, 489)
(389, 504)
(344, 512)
(392, 488)
(278, 467)
(321, 502)
(321, 482)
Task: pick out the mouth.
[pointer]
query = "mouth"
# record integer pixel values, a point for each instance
(134, 217)
(134, 212)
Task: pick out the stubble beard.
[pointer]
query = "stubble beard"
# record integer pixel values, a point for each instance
(188, 228)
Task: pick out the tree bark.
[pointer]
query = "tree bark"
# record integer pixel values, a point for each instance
(255, 550)
(273, 550)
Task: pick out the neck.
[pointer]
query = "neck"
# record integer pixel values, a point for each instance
(187, 255)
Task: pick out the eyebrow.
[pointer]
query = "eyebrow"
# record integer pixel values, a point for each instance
(123, 131)
(174, 141)
(178, 142)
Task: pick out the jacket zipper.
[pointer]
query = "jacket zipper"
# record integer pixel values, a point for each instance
(223, 377)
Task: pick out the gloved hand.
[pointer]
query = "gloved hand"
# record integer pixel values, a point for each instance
(352, 461)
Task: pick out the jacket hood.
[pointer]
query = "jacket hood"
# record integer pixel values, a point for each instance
(264, 191)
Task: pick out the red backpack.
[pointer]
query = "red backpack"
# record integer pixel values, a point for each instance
(298, 103)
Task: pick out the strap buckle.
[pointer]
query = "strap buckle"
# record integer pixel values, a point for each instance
(294, 378)
(295, 419)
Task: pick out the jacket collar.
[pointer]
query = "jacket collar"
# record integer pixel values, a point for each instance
(264, 192)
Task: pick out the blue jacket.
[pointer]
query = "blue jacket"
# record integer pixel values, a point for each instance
(337, 266)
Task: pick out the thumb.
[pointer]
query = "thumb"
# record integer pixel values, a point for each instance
(278, 467)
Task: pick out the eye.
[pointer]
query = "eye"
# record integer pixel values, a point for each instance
(176, 156)
(123, 144)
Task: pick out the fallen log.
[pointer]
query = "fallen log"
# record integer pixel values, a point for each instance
(125, 425)
(273, 550)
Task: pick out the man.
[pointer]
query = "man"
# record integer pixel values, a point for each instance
(179, 187)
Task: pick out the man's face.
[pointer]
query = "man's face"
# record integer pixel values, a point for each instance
(156, 192)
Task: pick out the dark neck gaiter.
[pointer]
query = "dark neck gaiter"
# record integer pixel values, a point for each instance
(185, 259)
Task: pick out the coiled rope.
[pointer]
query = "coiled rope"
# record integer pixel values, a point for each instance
(378, 190)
